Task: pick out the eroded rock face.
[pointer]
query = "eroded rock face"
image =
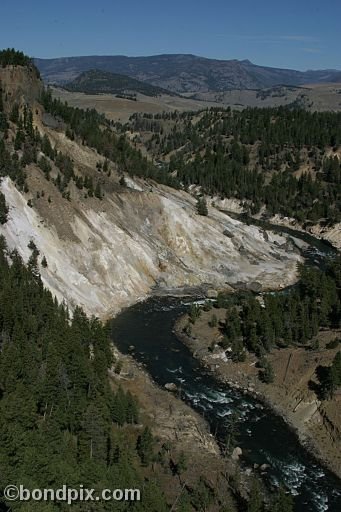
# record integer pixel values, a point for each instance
(19, 85)
(104, 255)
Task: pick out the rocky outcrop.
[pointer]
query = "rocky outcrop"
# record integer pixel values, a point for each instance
(19, 85)
(104, 255)
(330, 233)
(139, 239)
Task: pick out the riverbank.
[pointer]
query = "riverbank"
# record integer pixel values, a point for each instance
(317, 424)
(331, 234)
(325, 233)
(180, 432)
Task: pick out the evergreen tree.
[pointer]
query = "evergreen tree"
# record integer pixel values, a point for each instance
(201, 206)
(145, 446)
(3, 209)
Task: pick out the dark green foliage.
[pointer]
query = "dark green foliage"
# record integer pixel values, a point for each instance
(11, 57)
(96, 81)
(144, 446)
(14, 114)
(56, 405)
(26, 145)
(330, 377)
(46, 147)
(231, 435)
(123, 182)
(283, 502)
(95, 131)
(267, 374)
(202, 206)
(334, 343)
(252, 155)
(45, 166)
(202, 495)
(181, 465)
(292, 317)
(3, 209)
(98, 192)
(124, 408)
(19, 140)
(194, 313)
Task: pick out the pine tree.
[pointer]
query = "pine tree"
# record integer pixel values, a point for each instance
(201, 206)
(267, 375)
(145, 446)
(98, 192)
(3, 209)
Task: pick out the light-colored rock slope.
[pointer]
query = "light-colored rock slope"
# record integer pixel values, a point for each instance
(104, 255)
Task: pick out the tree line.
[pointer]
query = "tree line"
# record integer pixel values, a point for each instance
(60, 422)
(12, 57)
(254, 156)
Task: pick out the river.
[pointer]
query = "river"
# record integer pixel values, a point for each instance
(263, 436)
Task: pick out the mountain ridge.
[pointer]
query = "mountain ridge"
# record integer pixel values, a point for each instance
(184, 73)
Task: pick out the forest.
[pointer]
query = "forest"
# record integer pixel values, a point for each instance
(96, 131)
(60, 421)
(293, 317)
(255, 155)
(27, 144)
(96, 81)
(61, 418)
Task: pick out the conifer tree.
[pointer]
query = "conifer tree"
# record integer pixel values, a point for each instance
(201, 206)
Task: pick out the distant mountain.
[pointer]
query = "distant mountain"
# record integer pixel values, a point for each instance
(96, 81)
(184, 73)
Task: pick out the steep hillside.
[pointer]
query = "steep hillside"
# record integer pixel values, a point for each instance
(96, 81)
(280, 162)
(19, 85)
(107, 254)
(108, 245)
(71, 408)
(184, 73)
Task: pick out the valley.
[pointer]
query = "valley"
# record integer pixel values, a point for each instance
(108, 210)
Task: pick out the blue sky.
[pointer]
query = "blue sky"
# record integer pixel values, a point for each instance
(297, 34)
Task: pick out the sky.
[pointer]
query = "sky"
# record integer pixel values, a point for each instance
(298, 34)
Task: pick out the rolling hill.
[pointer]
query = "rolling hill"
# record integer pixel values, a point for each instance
(96, 81)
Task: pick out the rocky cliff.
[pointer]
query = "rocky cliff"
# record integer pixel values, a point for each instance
(19, 85)
(104, 254)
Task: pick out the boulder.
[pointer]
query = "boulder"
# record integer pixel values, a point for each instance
(255, 286)
(171, 386)
(264, 467)
(237, 452)
(228, 233)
